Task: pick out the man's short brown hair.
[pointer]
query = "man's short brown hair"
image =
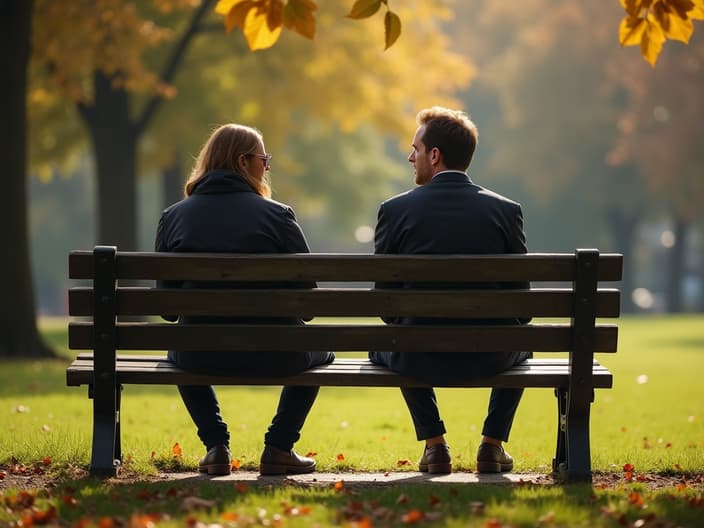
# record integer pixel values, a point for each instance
(452, 132)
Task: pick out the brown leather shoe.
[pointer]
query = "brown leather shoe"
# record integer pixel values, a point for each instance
(493, 459)
(217, 461)
(277, 462)
(436, 459)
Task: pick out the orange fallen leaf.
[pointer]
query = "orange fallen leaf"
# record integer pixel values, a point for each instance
(106, 522)
(412, 517)
(340, 457)
(363, 522)
(235, 464)
(636, 499)
(339, 485)
(176, 451)
(311, 454)
(628, 467)
(68, 499)
(229, 516)
(241, 487)
(493, 523)
(46, 461)
(402, 462)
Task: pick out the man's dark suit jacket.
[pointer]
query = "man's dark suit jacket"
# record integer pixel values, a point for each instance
(449, 215)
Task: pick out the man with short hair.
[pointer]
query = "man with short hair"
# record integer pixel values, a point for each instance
(449, 214)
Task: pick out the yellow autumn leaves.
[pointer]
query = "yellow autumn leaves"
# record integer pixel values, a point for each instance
(261, 21)
(648, 23)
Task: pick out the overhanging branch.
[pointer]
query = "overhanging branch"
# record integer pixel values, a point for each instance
(173, 64)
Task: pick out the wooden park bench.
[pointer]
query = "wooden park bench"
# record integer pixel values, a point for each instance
(565, 288)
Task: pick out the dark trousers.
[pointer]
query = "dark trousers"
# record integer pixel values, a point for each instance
(294, 403)
(436, 368)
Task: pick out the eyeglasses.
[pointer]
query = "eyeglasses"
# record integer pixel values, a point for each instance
(266, 158)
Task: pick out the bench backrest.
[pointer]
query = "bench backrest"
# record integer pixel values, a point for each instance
(573, 296)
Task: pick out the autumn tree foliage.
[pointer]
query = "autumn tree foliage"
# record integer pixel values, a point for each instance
(649, 23)
(112, 77)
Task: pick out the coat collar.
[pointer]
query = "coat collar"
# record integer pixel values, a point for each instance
(221, 181)
(450, 176)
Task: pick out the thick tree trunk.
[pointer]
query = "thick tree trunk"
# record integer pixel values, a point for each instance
(675, 267)
(18, 327)
(623, 228)
(114, 145)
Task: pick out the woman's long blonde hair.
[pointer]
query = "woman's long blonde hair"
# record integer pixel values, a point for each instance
(222, 151)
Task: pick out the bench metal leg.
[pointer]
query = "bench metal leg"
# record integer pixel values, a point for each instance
(106, 451)
(572, 461)
(559, 463)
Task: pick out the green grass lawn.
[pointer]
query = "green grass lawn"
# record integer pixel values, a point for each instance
(653, 418)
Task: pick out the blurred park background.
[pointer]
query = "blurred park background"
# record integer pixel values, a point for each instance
(601, 149)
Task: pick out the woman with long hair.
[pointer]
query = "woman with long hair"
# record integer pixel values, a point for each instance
(228, 209)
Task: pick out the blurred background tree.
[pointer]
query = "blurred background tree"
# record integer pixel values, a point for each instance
(122, 94)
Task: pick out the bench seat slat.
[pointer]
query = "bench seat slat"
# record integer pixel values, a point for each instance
(343, 372)
(347, 267)
(348, 302)
(252, 338)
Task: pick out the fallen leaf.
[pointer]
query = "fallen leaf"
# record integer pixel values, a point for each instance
(636, 499)
(548, 518)
(235, 464)
(241, 487)
(402, 499)
(311, 454)
(229, 516)
(412, 517)
(176, 451)
(340, 457)
(402, 462)
(628, 467)
(46, 461)
(433, 500)
(69, 500)
(339, 485)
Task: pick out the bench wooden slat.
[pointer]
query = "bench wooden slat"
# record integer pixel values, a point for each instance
(252, 338)
(343, 372)
(347, 267)
(348, 302)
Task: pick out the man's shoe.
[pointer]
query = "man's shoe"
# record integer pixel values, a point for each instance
(493, 459)
(217, 461)
(278, 462)
(436, 459)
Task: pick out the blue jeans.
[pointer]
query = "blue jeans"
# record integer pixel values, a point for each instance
(294, 403)
(433, 368)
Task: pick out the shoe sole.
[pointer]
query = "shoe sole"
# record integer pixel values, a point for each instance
(439, 469)
(275, 469)
(493, 467)
(216, 469)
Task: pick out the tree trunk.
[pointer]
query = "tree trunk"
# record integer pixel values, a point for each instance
(172, 182)
(18, 325)
(115, 147)
(675, 268)
(623, 228)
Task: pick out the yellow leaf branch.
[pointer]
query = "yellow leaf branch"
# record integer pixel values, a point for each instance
(649, 23)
